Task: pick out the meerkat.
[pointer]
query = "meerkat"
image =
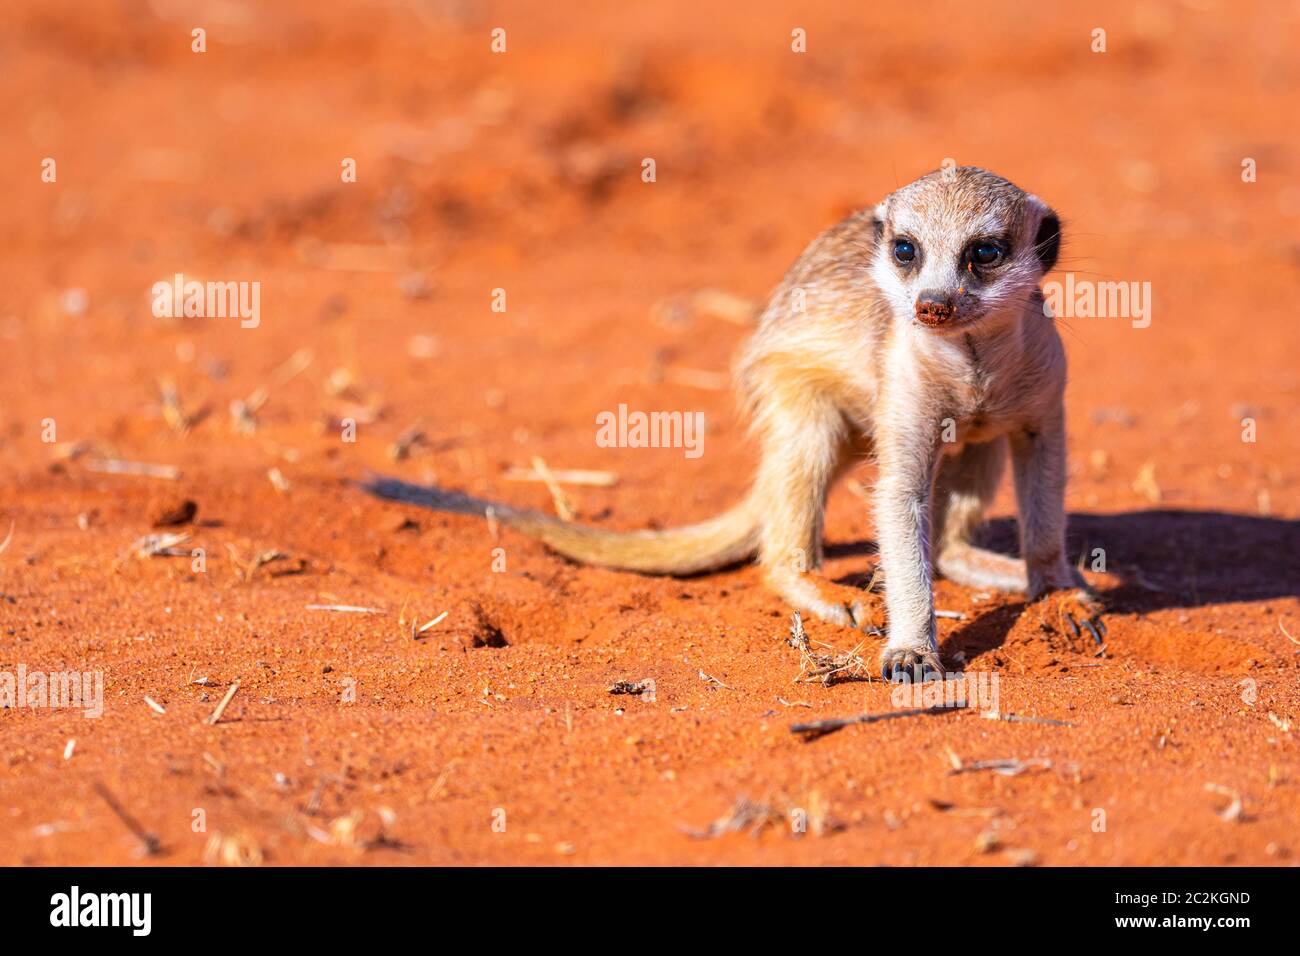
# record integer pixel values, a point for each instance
(914, 334)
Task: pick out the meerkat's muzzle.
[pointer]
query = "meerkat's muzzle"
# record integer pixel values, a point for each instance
(934, 309)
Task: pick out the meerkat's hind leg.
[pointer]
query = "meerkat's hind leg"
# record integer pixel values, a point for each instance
(964, 487)
(804, 450)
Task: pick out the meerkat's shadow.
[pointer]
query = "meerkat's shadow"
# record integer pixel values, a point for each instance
(1162, 559)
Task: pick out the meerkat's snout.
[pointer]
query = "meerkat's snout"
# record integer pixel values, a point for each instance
(935, 307)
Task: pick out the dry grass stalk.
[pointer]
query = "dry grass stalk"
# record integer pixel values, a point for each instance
(1145, 483)
(278, 481)
(161, 546)
(1022, 719)
(1281, 626)
(430, 624)
(563, 507)
(172, 410)
(1235, 811)
(1008, 767)
(710, 679)
(824, 667)
(221, 707)
(244, 412)
(244, 570)
(118, 466)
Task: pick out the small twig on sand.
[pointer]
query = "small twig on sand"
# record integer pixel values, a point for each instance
(563, 507)
(151, 844)
(173, 410)
(1008, 767)
(1021, 719)
(244, 412)
(118, 466)
(225, 702)
(1234, 812)
(951, 615)
(9, 537)
(346, 608)
(709, 678)
(156, 707)
(566, 476)
(278, 481)
(819, 728)
(408, 440)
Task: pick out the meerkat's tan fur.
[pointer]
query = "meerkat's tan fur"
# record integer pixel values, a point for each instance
(937, 367)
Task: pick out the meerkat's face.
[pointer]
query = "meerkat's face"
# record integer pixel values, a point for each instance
(961, 247)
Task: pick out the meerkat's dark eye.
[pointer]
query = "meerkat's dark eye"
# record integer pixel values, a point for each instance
(904, 250)
(986, 254)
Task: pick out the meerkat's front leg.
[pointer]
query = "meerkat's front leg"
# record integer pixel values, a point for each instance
(908, 456)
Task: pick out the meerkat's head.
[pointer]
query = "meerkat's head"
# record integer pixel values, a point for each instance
(961, 246)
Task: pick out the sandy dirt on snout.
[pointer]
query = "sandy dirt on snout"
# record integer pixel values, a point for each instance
(491, 737)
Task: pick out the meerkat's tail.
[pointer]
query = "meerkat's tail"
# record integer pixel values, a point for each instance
(727, 539)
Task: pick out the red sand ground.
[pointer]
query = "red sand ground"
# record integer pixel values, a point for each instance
(521, 171)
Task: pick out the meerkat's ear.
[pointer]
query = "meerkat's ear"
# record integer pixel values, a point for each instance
(878, 219)
(1047, 238)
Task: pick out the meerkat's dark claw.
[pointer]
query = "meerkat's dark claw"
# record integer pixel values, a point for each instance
(902, 665)
(1094, 626)
(1074, 625)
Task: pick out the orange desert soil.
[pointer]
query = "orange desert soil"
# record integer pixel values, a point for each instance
(492, 737)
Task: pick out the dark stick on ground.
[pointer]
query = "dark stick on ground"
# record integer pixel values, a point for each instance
(819, 728)
(151, 844)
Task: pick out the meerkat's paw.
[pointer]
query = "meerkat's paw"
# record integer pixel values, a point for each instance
(1077, 610)
(975, 567)
(914, 663)
(833, 603)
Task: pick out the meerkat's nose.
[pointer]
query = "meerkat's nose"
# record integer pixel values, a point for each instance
(934, 307)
